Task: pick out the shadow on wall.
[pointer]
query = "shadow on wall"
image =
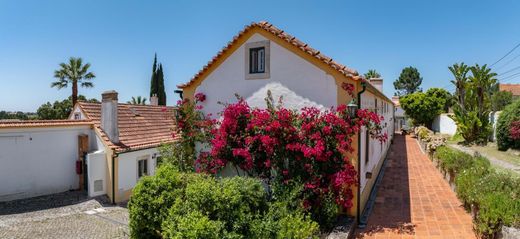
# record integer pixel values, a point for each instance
(392, 209)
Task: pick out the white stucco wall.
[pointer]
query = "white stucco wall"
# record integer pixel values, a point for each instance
(376, 150)
(97, 171)
(127, 174)
(444, 125)
(300, 82)
(38, 161)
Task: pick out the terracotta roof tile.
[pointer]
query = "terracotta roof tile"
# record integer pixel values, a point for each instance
(42, 123)
(140, 126)
(513, 88)
(286, 37)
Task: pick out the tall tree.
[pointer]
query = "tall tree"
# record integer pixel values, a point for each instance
(137, 100)
(153, 83)
(60, 109)
(73, 73)
(161, 92)
(408, 82)
(372, 74)
(460, 72)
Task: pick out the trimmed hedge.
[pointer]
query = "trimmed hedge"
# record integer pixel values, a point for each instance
(186, 205)
(494, 195)
(510, 114)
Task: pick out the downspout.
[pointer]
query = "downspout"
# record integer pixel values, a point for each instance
(113, 179)
(363, 84)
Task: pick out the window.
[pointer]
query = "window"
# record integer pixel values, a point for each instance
(257, 60)
(142, 168)
(375, 105)
(77, 116)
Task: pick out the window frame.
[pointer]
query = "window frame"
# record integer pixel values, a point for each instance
(146, 168)
(249, 74)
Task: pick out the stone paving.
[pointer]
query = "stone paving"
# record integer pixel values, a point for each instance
(414, 201)
(64, 215)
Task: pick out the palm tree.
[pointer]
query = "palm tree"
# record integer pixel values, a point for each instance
(73, 73)
(137, 100)
(460, 72)
(483, 80)
(372, 74)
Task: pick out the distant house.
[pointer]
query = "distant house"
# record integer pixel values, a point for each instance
(262, 57)
(104, 148)
(400, 117)
(513, 88)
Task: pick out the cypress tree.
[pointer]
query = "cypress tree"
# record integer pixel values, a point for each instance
(153, 83)
(161, 93)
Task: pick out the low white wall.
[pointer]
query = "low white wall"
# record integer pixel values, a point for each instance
(444, 124)
(38, 161)
(97, 172)
(127, 170)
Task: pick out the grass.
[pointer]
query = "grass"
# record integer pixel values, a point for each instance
(491, 150)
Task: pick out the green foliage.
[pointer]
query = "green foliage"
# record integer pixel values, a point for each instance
(152, 197)
(372, 74)
(59, 109)
(137, 100)
(424, 107)
(497, 209)
(185, 205)
(73, 73)
(473, 94)
(408, 82)
(157, 82)
(500, 99)
(16, 115)
(510, 114)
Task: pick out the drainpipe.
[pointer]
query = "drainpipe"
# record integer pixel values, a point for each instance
(180, 93)
(363, 84)
(113, 179)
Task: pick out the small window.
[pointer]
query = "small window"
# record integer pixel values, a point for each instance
(257, 60)
(142, 168)
(375, 105)
(77, 116)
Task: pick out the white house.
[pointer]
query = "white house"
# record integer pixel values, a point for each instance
(104, 148)
(262, 57)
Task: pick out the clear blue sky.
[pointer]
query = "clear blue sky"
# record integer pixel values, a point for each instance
(119, 39)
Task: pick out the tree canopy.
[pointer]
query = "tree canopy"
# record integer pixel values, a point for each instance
(422, 108)
(372, 74)
(408, 82)
(73, 73)
(157, 82)
(137, 100)
(59, 109)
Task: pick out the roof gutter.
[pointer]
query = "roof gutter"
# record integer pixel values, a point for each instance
(364, 85)
(114, 155)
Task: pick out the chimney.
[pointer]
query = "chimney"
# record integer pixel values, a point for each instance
(377, 83)
(109, 118)
(154, 100)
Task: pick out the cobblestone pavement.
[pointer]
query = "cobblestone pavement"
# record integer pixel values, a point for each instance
(64, 215)
(414, 201)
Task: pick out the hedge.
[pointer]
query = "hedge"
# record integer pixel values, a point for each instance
(186, 205)
(510, 114)
(494, 195)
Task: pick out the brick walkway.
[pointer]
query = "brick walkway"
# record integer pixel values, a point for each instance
(414, 201)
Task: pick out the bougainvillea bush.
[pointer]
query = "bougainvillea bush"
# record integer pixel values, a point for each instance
(280, 145)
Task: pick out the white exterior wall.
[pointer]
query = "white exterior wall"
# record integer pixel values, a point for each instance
(444, 124)
(38, 161)
(97, 172)
(376, 150)
(300, 82)
(127, 170)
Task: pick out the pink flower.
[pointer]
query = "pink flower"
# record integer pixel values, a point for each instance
(200, 97)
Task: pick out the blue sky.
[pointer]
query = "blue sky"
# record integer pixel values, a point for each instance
(119, 39)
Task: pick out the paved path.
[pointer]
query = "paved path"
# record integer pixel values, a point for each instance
(492, 160)
(63, 215)
(414, 201)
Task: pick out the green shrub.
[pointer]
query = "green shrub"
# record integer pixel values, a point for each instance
(509, 114)
(454, 161)
(151, 198)
(296, 226)
(192, 225)
(497, 209)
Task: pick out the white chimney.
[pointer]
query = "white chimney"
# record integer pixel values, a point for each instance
(377, 83)
(154, 100)
(109, 115)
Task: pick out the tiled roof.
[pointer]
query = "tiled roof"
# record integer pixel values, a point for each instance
(513, 88)
(140, 126)
(286, 37)
(42, 123)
